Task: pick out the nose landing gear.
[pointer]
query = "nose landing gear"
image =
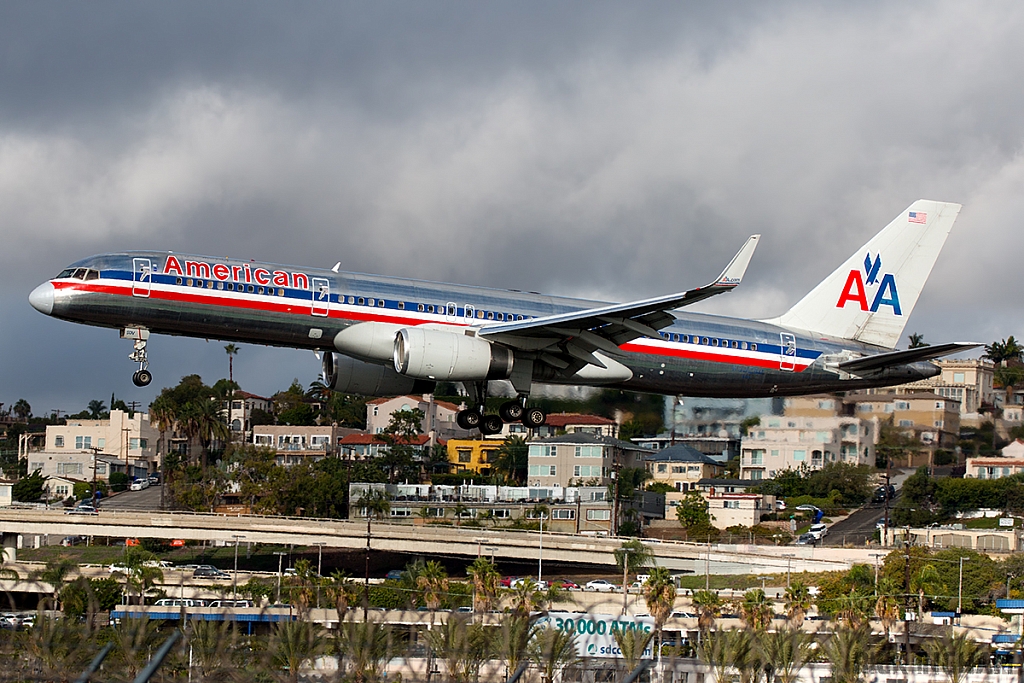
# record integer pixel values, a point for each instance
(142, 377)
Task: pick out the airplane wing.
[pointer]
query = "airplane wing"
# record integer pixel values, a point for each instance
(568, 341)
(859, 366)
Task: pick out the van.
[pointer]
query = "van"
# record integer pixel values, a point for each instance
(174, 602)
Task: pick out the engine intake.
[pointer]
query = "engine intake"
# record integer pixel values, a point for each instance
(440, 355)
(351, 376)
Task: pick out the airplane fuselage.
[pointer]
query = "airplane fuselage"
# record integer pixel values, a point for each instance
(261, 303)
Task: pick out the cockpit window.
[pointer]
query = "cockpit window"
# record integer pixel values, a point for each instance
(79, 274)
(91, 274)
(67, 272)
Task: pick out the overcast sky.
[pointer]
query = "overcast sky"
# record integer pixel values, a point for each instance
(610, 150)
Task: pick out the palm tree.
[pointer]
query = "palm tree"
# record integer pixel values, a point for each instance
(231, 350)
(96, 409)
(927, 581)
(368, 646)
(525, 597)
(756, 609)
(744, 655)
(798, 602)
(134, 639)
(517, 631)
(630, 557)
(917, 341)
(850, 650)
(714, 650)
(553, 651)
(59, 646)
(660, 595)
(486, 583)
(632, 643)
(433, 585)
(511, 460)
(343, 592)
(463, 646)
(142, 572)
(1005, 350)
(295, 642)
(56, 574)
(1009, 378)
(784, 652)
(888, 604)
(708, 606)
(211, 644)
(459, 510)
(956, 654)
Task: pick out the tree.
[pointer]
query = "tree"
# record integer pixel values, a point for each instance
(96, 409)
(511, 460)
(516, 633)
(210, 644)
(956, 654)
(1006, 350)
(29, 489)
(632, 643)
(553, 651)
(486, 584)
(917, 341)
(1009, 377)
(756, 609)
(630, 557)
(22, 409)
(525, 597)
(432, 583)
(134, 640)
(232, 351)
(403, 430)
(708, 606)
(368, 646)
(798, 602)
(888, 604)
(294, 642)
(714, 650)
(56, 574)
(850, 650)
(692, 513)
(464, 646)
(660, 596)
(784, 652)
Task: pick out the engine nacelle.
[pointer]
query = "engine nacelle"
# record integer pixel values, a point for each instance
(370, 341)
(440, 355)
(353, 376)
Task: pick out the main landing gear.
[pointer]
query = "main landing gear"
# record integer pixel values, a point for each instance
(142, 377)
(510, 411)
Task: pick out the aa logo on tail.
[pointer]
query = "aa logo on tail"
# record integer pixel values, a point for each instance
(856, 289)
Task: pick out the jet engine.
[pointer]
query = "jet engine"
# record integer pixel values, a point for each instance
(441, 355)
(353, 376)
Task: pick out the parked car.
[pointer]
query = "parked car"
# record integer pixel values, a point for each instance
(233, 604)
(566, 585)
(600, 586)
(174, 602)
(506, 581)
(819, 530)
(154, 480)
(209, 573)
(68, 541)
(807, 539)
(118, 568)
(684, 615)
(394, 575)
(82, 509)
(139, 484)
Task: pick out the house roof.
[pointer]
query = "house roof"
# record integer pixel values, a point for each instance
(586, 439)
(363, 439)
(738, 483)
(564, 419)
(246, 394)
(682, 453)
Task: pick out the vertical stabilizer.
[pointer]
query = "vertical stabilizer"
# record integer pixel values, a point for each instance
(870, 297)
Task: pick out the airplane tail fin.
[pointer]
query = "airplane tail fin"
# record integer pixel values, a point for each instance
(870, 297)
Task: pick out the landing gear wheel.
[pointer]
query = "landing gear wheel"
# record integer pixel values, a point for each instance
(512, 411)
(467, 419)
(142, 378)
(534, 417)
(491, 424)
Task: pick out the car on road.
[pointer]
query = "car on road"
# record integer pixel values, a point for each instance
(819, 530)
(879, 496)
(566, 585)
(394, 575)
(82, 509)
(154, 480)
(233, 604)
(118, 568)
(684, 615)
(68, 541)
(209, 573)
(139, 484)
(806, 539)
(600, 586)
(506, 581)
(539, 585)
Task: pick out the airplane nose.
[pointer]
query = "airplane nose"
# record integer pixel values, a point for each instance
(41, 298)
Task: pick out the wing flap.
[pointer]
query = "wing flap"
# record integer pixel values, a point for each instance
(859, 366)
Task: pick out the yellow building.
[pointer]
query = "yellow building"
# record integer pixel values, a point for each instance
(472, 455)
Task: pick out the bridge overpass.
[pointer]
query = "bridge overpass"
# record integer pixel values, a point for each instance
(427, 540)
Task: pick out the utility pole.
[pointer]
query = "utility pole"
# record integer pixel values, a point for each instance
(906, 608)
(234, 576)
(280, 556)
(960, 590)
(885, 527)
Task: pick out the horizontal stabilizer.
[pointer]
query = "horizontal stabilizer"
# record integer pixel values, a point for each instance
(860, 366)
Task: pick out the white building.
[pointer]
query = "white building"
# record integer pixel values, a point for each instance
(581, 459)
(438, 416)
(240, 411)
(793, 442)
(68, 448)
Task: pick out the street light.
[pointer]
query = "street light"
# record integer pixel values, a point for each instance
(789, 564)
(280, 556)
(234, 577)
(960, 588)
(540, 550)
(319, 557)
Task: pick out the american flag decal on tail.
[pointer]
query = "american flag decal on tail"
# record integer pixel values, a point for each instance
(917, 217)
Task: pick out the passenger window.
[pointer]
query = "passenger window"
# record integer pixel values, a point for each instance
(260, 290)
(479, 314)
(714, 342)
(371, 302)
(401, 305)
(380, 303)
(231, 286)
(361, 301)
(519, 317)
(735, 345)
(177, 280)
(430, 308)
(685, 338)
(280, 292)
(188, 282)
(705, 341)
(744, 346)
(753, 347)
(420, 307)
(250, 289)
(490, 315)
(220, 285)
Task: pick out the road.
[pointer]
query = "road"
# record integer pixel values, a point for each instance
(146, 499)
(856, 529)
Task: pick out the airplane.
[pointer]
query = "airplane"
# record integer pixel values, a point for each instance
(397, 336)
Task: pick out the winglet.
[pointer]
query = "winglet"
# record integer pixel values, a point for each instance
(733, 273)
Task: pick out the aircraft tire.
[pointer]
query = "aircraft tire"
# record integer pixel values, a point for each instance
(142, 378)
(511, 411)
(491, 424)
(534, 417)
(467, 419)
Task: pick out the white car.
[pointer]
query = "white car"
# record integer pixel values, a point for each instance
(819, 531)
(136, 486)
(600, 586)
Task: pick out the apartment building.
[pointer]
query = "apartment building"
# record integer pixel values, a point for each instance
(793, 442)
(68, 449)
(580, 458)
(438, 416)
(297, 444)
(242, 403)
(933, 419)
(969, 382)
(362, 446)
(472, 455)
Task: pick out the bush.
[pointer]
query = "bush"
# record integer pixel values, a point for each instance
(944, 457)
(119, 481)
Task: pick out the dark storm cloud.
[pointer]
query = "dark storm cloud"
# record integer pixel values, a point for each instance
(604, 150)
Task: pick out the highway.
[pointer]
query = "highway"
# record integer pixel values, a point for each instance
(432, 540)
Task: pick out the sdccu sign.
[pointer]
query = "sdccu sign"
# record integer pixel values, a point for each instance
(595, 633)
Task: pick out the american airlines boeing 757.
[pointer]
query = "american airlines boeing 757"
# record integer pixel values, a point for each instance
(396, 336)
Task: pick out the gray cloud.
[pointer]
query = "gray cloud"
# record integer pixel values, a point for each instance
(582, 149)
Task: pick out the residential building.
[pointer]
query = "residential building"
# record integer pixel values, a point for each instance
(722, 417)
(60, 488)
(993, 468)
(580, 458)
(472, 455)
(730, 503)
(583, 510)
(967, 381)
(6, 493)
(719, 448)
(1015, 449)
(681, 467)
(132, 440)
(362, 446)
(78, 465)
(790, 442)
(933, 419)
(296, 444)
(561, 423)
(240, 411)
(438, 416)
(983, 540)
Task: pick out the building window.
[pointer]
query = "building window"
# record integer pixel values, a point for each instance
(69, 468)
(731, 504)
(599, 515)
(563, 513)
(757, 457)
(465, 456)
(587, 471)
(58, 441)
(401, 512)
(501, 514)
(542, 451)
(83, 442)
(799, 455)
(902, 405)
(133, 444)
(906, 423)
(588, 451)
(958, 378)
(101, 468)
(662, 467)
(542, 470)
